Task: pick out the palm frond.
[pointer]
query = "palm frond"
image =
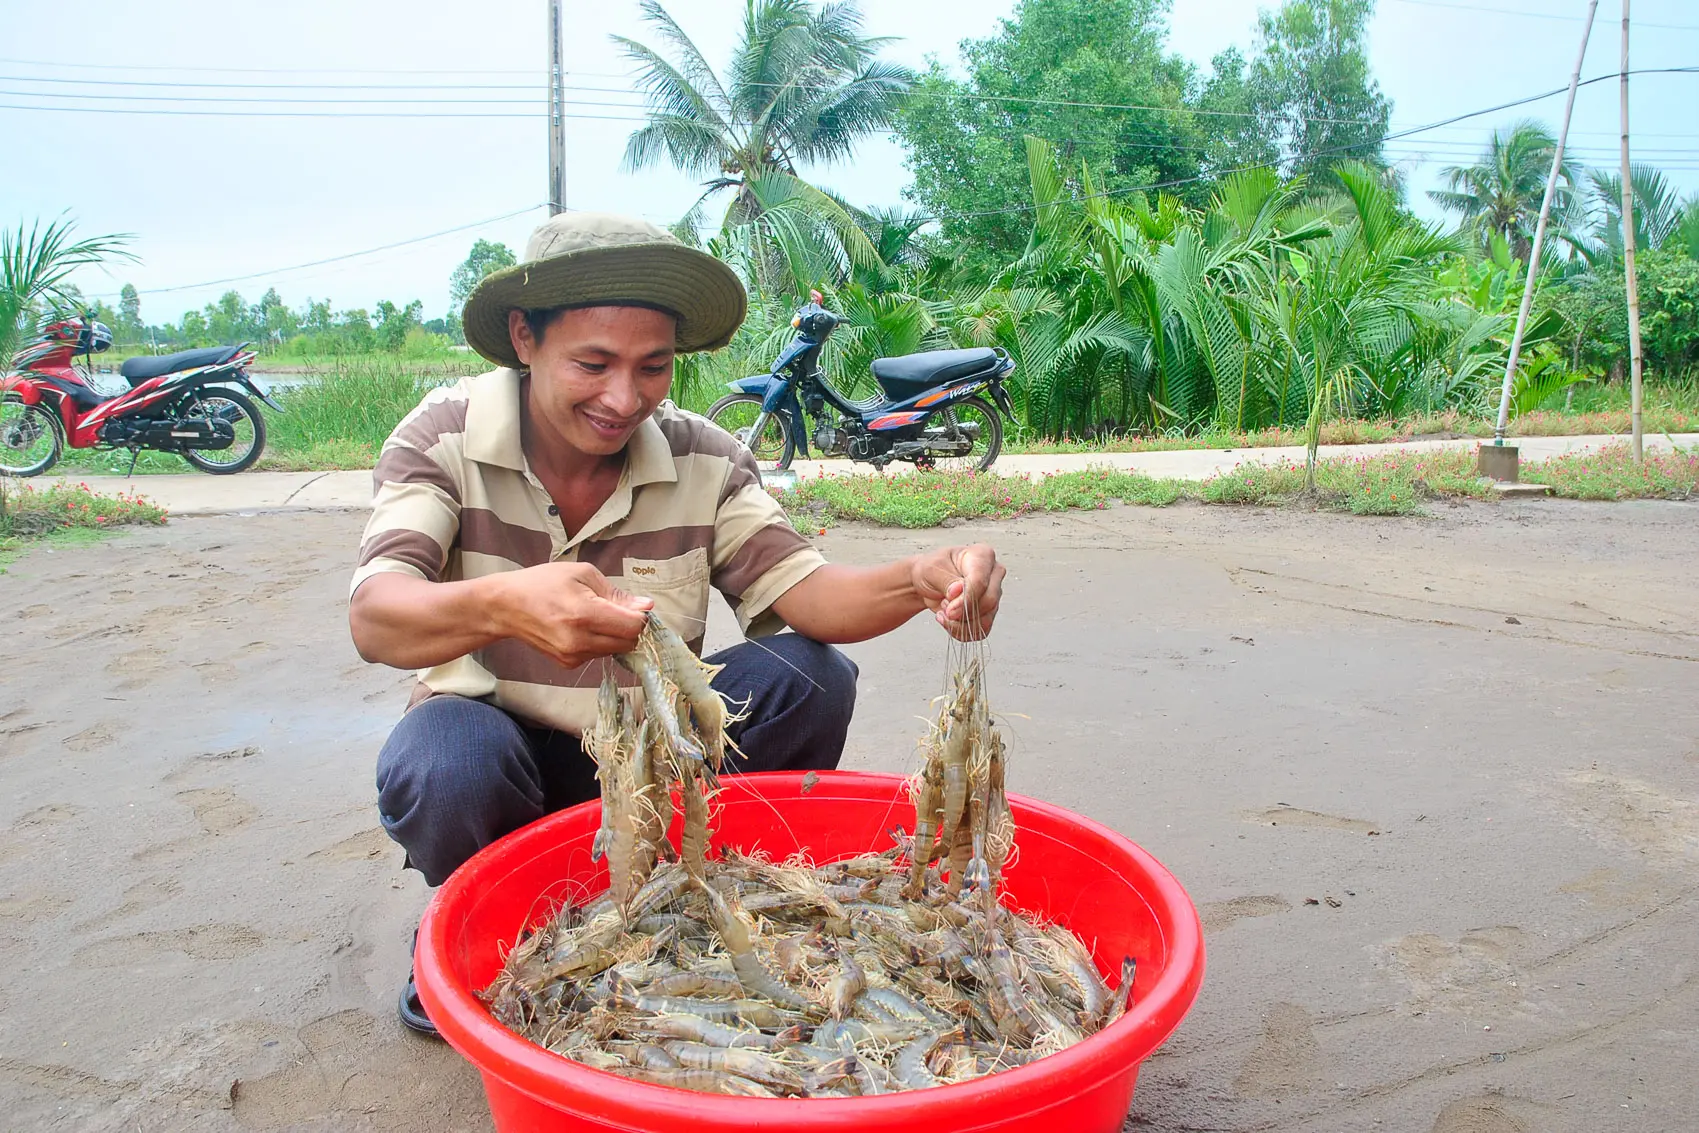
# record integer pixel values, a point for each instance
(36, 264)
(694, 67)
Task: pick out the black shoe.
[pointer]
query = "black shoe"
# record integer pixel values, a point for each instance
(411, 1010)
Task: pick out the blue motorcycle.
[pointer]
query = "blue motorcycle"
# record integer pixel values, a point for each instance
(932, 409)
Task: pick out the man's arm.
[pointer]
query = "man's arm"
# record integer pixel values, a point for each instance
(963, 586)
(568, 611)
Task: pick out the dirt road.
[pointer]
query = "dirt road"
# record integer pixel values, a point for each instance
(1433, 783)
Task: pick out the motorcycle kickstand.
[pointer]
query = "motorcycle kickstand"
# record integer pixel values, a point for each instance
(135, 455)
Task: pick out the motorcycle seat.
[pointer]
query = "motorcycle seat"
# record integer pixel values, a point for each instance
(913, 374)
(138, 370)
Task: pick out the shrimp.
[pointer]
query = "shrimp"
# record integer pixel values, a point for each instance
(829, 1073)
(741, 1061)
(657, 701)
(650, 766)
(1015, 1018)
(692, 676)
(695, 983)
(928, 802)
(864, 867)
(958, 743)
(1123, 993)
(1075, 965)
(663, 887)
(697, 1029)
(695, 823)
(599, 743)
(903, 1009)
(691, 1078)
(909, 1066)
(653, 1057)
(751, 1011)
(626, 872)
(841, 992)
(738, 933)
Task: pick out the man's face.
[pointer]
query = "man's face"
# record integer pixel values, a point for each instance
(598, 372)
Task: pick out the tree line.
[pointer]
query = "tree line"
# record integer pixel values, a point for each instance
(1161, 246)
(1159, 249)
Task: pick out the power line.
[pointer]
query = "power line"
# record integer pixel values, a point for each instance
(275, 70)
(632, 93)
(272, 100)
(1533, 15)
(423, 116)
(299, 70)
(273, 86)
(1217, 174)
(346, 256)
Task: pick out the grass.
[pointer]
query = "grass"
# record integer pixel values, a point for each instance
(67, 513)
(1394, 484)
(1611, 474)
(340, 417)
(346, 406)
(1668, 411)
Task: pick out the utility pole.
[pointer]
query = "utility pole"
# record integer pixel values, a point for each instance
(557, 115)
(1533, 266)
(1635, 357)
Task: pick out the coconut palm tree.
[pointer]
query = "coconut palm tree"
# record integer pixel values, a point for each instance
(1501, 193)
(1686, 233)
(803, 87)
(1658, 209)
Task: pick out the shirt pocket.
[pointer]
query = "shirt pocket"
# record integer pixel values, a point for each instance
(679, 587)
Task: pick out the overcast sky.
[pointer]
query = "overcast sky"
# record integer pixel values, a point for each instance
(241, 194)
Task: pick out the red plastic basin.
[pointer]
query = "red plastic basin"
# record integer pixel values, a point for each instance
(1116, 897)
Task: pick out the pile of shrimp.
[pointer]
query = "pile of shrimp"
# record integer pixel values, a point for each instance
(741, 975)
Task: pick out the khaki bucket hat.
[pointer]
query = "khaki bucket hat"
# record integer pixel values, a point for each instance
(590, 259)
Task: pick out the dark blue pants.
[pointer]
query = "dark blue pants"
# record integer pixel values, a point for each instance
(457, 774)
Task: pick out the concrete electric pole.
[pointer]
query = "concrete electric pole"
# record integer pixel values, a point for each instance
(1636, 359)
(1493, 464)
(557, 115)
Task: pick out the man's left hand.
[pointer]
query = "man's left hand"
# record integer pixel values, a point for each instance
(962, 586)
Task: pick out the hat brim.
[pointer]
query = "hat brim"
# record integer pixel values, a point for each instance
(707, 296)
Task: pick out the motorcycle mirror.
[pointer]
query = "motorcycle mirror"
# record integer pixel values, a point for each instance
(816, 298)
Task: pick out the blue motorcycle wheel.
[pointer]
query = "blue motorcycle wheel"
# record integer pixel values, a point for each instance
(736, 414)
(973, 424)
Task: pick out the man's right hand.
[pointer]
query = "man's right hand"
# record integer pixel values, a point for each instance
(569, 611)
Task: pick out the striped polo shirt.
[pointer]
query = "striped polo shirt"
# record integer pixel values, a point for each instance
(454, 498)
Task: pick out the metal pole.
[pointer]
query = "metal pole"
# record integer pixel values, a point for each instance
(1533, 267)
(1635, 357)
(557, 115)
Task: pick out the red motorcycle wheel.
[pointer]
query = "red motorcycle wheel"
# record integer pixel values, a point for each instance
(239, 411)
(30, 441)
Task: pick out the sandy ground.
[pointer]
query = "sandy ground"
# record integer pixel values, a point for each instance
(1432, 783)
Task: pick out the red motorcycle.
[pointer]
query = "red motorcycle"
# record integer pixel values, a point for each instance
(181, 403)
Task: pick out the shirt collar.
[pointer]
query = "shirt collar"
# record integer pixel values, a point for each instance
(492, 420)
(492, 433)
